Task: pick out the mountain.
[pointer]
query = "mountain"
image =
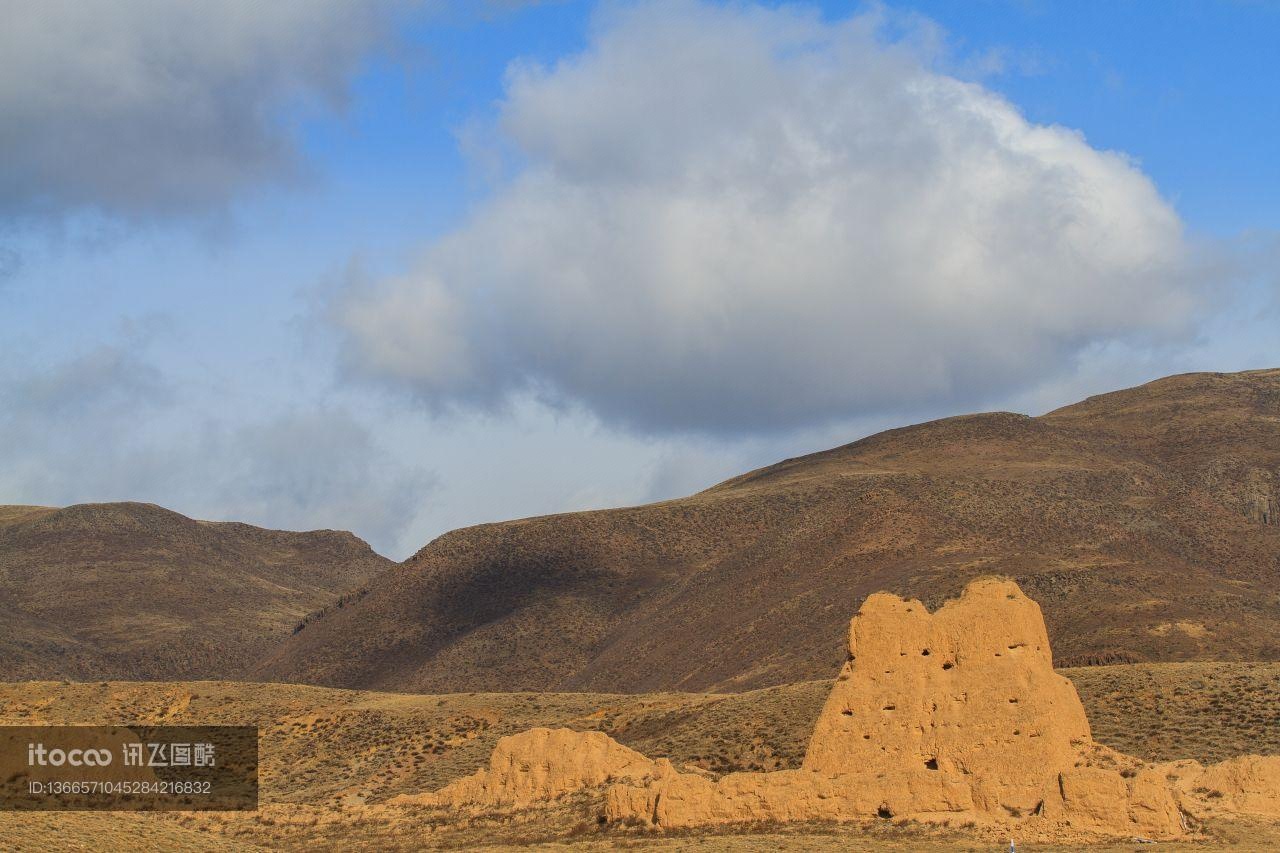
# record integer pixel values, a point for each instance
(1146, 522)
(130, 590)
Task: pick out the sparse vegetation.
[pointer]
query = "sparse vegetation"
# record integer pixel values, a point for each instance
(129, 590)
(331, 759)
(1141, 544)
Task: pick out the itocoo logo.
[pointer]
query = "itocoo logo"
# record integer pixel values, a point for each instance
(37, 755)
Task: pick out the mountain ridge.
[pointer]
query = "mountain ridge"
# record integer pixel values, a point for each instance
(1132, 516)
(134, 590)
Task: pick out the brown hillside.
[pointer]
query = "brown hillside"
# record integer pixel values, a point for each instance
(135, 591)
(1143, 521)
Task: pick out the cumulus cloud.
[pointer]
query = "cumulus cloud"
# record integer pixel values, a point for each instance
(727, 218)
(142, 107)
(107, 425)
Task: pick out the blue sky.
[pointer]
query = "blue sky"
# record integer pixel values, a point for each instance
(1187, 88)
(398, 268)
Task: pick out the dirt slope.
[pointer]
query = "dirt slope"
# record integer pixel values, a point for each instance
(135, 591)
(1144, 521)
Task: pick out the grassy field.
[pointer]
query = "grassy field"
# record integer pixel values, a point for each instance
(1206, 711)
(331, 758)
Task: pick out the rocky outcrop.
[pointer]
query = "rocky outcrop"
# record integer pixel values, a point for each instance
(953, 717)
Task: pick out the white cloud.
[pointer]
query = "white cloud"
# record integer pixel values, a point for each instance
(733, 219)
(107, 425)
(141, 107)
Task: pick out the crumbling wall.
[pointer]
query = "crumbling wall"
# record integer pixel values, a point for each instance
(542, 764)
(950, 716)
(955, 716)
(967, 692)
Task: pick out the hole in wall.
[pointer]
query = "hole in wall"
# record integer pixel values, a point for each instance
(884, 812)
(847, 713)
(948, 665)
(931, 764)
(925, 653)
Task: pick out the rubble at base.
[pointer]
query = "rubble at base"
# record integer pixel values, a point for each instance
(541, 764)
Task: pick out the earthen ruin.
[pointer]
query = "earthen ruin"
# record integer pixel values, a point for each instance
(953, 717)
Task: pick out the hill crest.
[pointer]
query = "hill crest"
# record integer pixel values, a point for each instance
(134, 590)
(1139, 519)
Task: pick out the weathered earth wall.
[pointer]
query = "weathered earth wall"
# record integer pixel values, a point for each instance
(949, 717)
